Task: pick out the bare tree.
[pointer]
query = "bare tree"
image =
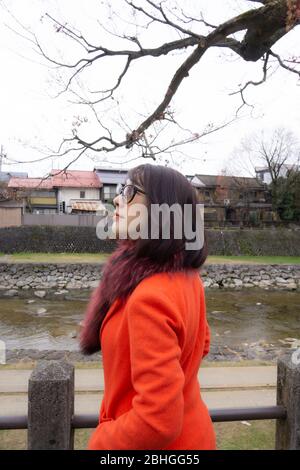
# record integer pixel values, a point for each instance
(275, 154)
(3, 191)
(8, 194)
(251, 35)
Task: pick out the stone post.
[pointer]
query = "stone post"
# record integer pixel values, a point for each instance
(288, 395)
(51, 406)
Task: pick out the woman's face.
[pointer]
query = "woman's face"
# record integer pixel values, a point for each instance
(129, 215)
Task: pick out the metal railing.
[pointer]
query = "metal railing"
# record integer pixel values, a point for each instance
(51, 420)
(218, 415)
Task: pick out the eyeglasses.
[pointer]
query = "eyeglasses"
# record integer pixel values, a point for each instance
(128, 191)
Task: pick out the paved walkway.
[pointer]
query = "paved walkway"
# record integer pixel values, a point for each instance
(221, 387)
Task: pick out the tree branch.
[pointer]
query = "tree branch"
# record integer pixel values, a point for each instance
(262, 26)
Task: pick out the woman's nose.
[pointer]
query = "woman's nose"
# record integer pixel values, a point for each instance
(116, 200)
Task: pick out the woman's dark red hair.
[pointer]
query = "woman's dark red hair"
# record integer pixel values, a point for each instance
(133, 260)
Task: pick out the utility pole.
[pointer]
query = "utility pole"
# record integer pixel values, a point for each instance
(2, 155)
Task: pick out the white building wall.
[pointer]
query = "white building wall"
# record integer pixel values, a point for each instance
(266, 175)
(67, 194)
(267, 178)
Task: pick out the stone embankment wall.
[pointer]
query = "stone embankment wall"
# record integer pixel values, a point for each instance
(16, 278)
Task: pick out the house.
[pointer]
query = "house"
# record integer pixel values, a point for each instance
(189, 177)
(11, 213)
(6, 194)
(11, 206)
(264, 174)
(63, 191)
(38, 194)
(11, 209)
(77, 191)
(110, 178)
(233, 199)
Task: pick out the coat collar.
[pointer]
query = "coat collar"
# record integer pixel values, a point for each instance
(121, 274)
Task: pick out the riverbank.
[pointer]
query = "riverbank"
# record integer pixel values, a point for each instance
(73, 258)
(15, 278)
(257, 352)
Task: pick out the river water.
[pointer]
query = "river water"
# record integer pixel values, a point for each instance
(256, 321)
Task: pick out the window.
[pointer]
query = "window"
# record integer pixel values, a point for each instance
(42, 193)
(261, 176)
(82, 194)
(109, 192)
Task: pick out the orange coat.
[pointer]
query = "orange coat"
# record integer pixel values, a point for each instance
(152, 347)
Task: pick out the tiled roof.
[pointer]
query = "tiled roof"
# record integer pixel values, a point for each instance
(30, 183)
(110, 176)
(75, 179)
(284, 166)
(111, 170)
(230, 181)
(58, 179)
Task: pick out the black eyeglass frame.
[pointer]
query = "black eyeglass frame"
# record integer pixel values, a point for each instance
(136, 189)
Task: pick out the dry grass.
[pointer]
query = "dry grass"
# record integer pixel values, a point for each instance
(260, 435)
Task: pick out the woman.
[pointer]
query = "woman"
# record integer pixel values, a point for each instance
(148, 318)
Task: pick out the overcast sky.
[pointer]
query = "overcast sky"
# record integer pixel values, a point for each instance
(33, 121)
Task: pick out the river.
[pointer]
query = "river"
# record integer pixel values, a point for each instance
(244, 323)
